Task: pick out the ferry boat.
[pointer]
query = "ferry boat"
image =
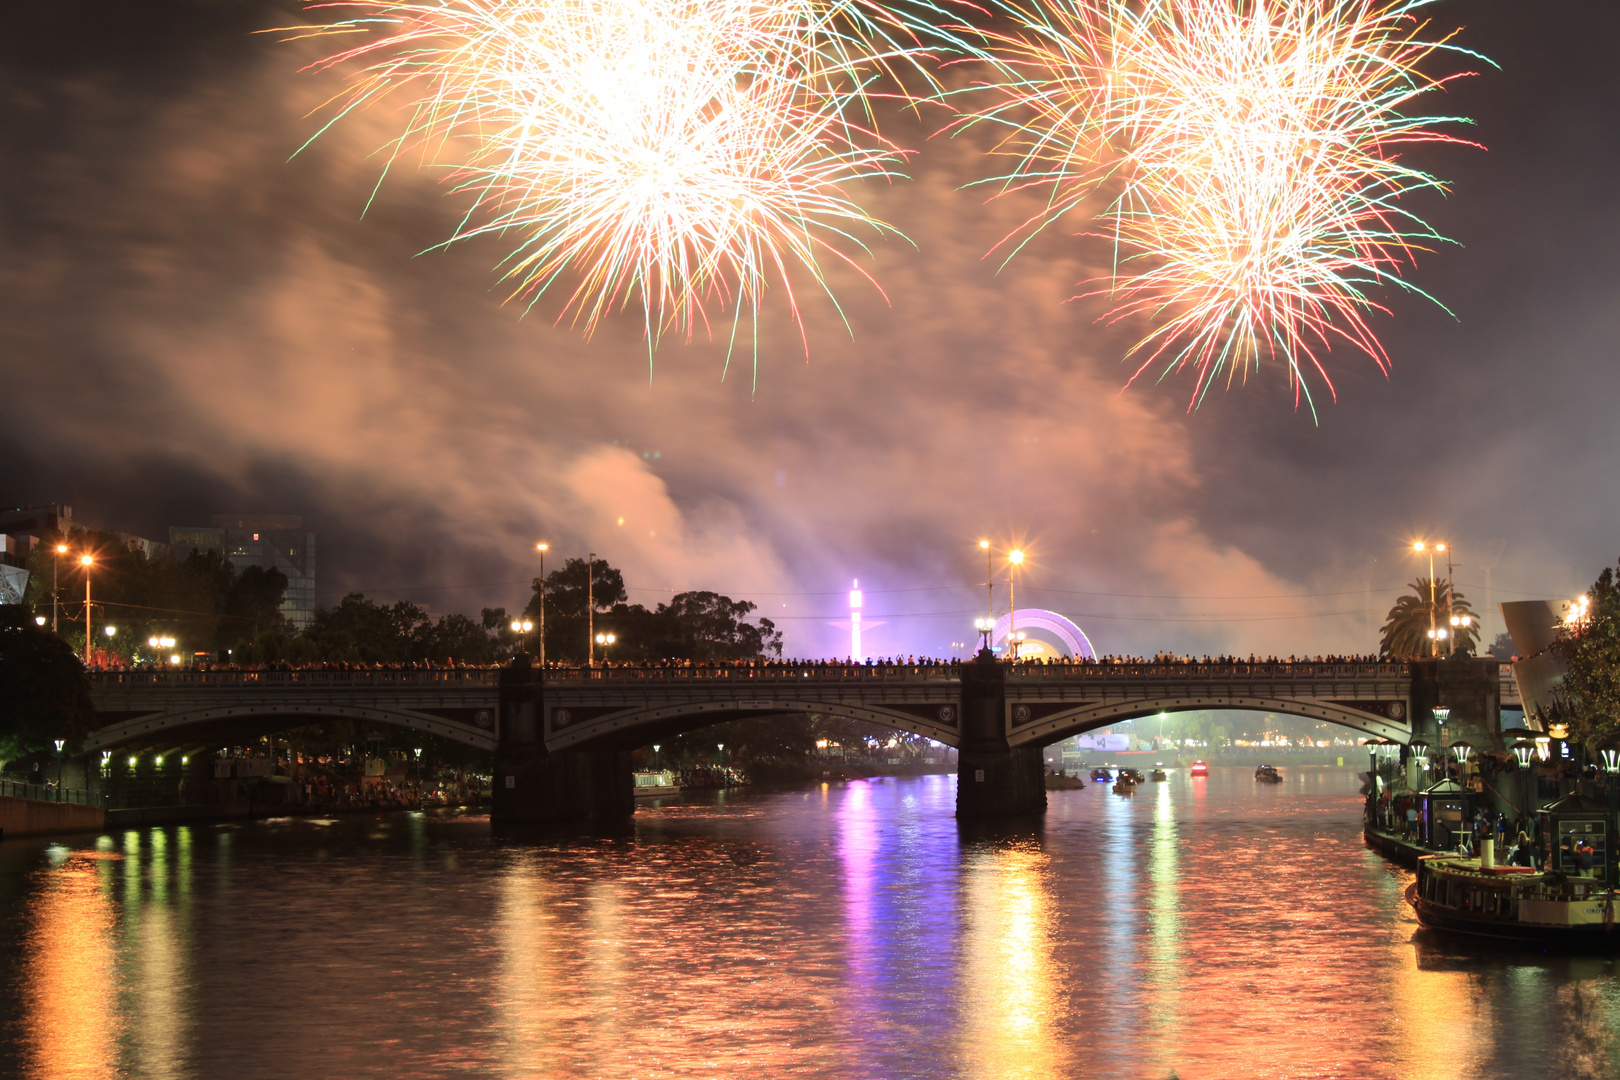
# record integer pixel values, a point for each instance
(1475, 896)
(650, 785)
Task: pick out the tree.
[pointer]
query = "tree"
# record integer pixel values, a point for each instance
(566, 601)
(708, 626)
(1591, 648)
(1406, 628)
(44, 691)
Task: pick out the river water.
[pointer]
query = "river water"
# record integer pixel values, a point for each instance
(1202, 928)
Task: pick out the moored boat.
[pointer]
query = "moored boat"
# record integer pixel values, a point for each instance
(1475, 896)
(650, 785)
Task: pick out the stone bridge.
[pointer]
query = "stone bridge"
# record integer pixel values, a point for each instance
(562, 736)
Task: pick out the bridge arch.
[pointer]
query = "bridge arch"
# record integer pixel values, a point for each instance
(221, 721)
(1057, 726)
(637, 727)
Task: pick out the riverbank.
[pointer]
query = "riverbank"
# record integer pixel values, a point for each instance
(33, 817)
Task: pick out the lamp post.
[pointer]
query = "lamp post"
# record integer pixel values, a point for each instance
(605, 640)
(985, 627)
(1609, 748)
(522, 626)
(542, 547)
(1434, 638)
(590, 609)
(1015, 559)
(989, 585)
(86, 561)
(56, 557)
(1459, 623)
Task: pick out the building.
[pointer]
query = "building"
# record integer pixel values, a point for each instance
(20, 529)
(271, 541)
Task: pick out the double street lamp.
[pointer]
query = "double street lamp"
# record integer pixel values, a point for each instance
(605, 640)
(985, 627)
(521, 626)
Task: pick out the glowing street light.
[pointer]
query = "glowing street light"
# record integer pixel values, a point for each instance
(85, 561)
(56, 557)
(605, 640)
(984, 626)
(989, 584)
(542, 547)
(1436, 636)
(1015, 559)
(110, 631)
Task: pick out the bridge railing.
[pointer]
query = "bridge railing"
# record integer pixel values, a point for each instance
(776, 673)
(47, 793)
(1379, 670)
(304, 677)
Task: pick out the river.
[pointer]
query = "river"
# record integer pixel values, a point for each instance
(1202, 928)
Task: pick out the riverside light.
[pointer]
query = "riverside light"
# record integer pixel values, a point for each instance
(1462, 751)
(109, 630)
(1522, 750)
(39, 620)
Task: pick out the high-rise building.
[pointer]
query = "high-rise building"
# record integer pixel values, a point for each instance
(271, 541)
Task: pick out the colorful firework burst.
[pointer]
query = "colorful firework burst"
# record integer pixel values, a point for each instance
(1255, 145)
(676, 156)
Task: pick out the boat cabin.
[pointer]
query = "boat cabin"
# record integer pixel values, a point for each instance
(1443, 813)
(1575, 837)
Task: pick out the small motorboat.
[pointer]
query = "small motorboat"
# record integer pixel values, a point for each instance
(1199, 769)
(1268, 774)
(1124, 786)
(1158, 774)
(1133, 775)
(1101, 776)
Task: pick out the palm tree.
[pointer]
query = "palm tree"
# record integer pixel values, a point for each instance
(1406, 629)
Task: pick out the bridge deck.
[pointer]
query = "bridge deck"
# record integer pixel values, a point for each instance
(586, 705)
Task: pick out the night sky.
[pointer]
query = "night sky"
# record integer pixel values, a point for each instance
(191, 323)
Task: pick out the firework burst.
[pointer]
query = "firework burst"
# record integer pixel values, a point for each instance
(672, 156)
(1254, 147)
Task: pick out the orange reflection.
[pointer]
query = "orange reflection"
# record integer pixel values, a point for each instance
(70, 1018)
(1009, 981)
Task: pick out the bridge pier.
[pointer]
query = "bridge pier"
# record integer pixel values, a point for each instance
(993, 778)
(1469, 688)
(533, 787)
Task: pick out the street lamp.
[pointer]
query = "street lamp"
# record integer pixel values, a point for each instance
(605, 640)
(590, 609)
(542, 547)
(1459, 623)
(989, 584)
(985, 627)
(521, 626)
(56, 557)
(86, 561)
(1016, 640)
(1435, 638)
(1015, 559)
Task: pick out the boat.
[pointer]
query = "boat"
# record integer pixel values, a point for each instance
(1101, 776)
(1200, 769)
(1057, 781)
(1476, 897)
(1133, 775)
(1268, 774)
(1158, 774)
(1125, 785)
(651, 785)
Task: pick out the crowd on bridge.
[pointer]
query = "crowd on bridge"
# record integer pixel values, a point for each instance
(911, 661)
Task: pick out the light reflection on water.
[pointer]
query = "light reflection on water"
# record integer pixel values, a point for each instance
(1211, 928)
